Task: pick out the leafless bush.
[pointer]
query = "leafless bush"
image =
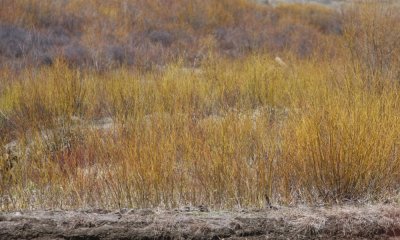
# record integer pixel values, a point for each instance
(36, 47)
(52, 16)
(323, 19)
(120, 55)
(297, 38)
(239, 40)
(14, 41)
(58, 36)
(372, 36)
(163, 37)
(77, 55)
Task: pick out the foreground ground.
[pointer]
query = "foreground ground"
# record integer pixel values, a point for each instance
(346, 222)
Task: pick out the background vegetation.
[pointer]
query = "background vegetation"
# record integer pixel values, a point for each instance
(168, 103)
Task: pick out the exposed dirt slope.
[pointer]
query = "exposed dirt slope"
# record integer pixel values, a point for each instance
(366, 222)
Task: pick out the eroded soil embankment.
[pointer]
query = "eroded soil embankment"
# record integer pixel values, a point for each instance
(346, 222)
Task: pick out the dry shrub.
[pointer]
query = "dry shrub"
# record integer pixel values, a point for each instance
(371, 37)
(76, 55)
(299, 39)
(344, 150)
(319, 17)
(60, 94)
(14, 41)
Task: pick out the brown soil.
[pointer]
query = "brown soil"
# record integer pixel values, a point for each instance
(345, 222)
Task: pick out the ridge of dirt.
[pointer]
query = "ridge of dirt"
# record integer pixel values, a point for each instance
(339, 222)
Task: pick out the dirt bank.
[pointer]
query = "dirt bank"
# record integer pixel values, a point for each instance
(349, 222)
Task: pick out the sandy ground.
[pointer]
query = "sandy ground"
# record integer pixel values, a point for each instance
(344, 222)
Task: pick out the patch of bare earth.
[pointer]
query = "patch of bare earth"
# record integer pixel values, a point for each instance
(344, 222)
